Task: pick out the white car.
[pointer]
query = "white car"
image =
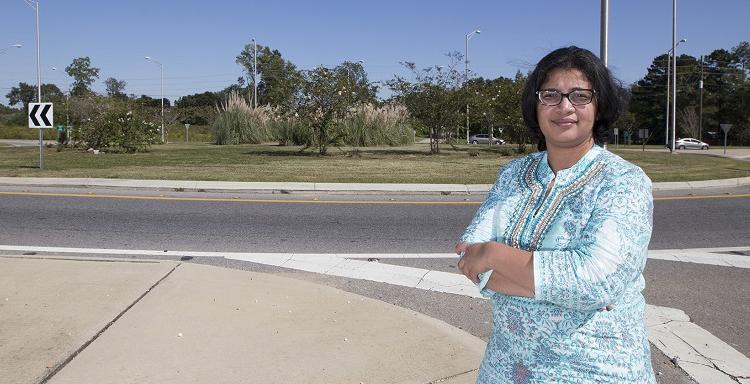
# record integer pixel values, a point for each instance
(483, 138)
(690, 143)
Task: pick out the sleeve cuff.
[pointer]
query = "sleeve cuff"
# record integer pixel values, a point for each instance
(538, 260)
(484, 278)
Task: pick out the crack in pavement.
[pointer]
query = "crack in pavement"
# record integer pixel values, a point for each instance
(713, 365)
(85, 345)
(422, 278)
(442, 379)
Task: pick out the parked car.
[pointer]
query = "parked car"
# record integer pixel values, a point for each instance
(483, 138)
(689, 143)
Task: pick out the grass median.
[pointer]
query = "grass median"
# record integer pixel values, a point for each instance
(464, 164)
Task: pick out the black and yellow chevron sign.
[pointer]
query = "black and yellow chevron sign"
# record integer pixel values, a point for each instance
(40, 115)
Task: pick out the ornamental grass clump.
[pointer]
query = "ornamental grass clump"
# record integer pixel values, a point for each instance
(367, 125)
(239, 123)
(292, 130)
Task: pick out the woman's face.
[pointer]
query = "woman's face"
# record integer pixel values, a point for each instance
(566, 125)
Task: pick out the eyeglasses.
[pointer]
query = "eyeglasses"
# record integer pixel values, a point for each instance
(552, 97)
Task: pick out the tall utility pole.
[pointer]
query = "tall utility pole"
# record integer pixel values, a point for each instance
(466, 76)
(700, 119)
(666, 114)
(35, 5)
(603, 36)
(674, 74)
(255, 74)
(161, 71)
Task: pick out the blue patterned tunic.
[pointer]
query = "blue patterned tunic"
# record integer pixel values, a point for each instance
(589, 227)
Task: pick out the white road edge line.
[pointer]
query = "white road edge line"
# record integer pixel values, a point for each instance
(712, 256)
(706, 358)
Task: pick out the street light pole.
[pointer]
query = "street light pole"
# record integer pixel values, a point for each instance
(466, 76)
(666, 118)
(674, 74)
(700, 121)
(604, 33)
(161, 70)
(35, 6)
(255, 74)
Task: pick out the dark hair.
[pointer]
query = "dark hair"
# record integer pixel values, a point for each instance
(608, 105)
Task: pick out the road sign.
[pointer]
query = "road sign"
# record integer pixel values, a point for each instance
(40, 115)
(643, 133)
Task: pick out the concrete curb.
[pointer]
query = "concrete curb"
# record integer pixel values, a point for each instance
(290, 187)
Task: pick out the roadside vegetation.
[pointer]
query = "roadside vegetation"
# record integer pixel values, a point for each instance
(463, 164)
(328, 123)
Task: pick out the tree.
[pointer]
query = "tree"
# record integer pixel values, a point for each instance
(279, 81)
(725, 94)
(148, 101)
(205, 99)
(507, 109)
(648, 100)
(198, 109)
(687, 118)
(83, 75)
(432, 97)
(357, 87)
(115, 87)
(25, 94)
(626, 125)
(322, 102)
(724, 82)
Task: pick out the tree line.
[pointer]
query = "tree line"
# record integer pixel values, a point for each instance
(442, 102)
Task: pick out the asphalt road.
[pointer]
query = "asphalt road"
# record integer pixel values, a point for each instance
(299, 223)
(716, 298)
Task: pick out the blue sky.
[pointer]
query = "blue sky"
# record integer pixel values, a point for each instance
(197, 41)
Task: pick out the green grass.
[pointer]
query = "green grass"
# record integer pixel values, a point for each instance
(25, 133)
(409, 164)
(682, 166)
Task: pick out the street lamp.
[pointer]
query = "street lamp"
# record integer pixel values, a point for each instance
(161, 68)
(4, 49)
(255, 74)
(466, 76)
(669, 64)
(34, 4)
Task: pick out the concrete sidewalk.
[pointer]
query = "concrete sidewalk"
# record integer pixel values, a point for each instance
(293, 187)
(68, 320)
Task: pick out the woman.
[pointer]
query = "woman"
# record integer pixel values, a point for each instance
(560, 243)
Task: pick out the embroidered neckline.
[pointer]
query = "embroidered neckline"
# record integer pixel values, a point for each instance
(560, 192)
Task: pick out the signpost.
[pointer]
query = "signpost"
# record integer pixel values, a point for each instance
(617, 141)
(643, 135)
(40, 117)
(725, 128)
(187, 133)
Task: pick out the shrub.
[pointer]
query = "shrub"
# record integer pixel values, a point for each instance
(120, 129)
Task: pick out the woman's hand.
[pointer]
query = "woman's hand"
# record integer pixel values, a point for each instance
(475, 259)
